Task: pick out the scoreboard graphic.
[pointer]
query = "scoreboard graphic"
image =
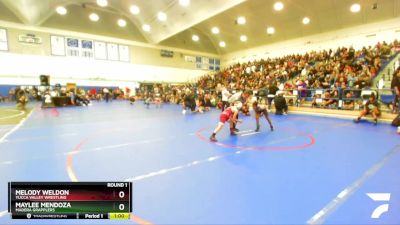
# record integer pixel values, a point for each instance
(70, 200)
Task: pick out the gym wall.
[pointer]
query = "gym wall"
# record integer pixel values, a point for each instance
(23, 63)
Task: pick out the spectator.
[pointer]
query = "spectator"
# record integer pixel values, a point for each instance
(395, 86)
(330, 98)
(22, 100)
(81, 100)
(302, 88)
(93, 91)
(348, 102)
(11, 94)
(71, 96)
(106, 94)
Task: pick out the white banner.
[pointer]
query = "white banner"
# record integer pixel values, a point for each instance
(100, 50)
(123, 53)
(112, 52)
(57, 45)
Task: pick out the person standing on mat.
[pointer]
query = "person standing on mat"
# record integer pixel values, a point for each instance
(229, 114)
(281, 107)
(189, 101)
(260, 111)
(225, 97)
(272, 93)
(239, 97)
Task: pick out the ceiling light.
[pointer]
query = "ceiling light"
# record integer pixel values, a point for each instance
(195, 38)
(134, 9)
(215, 30)
(243, 38)
(121, 22)
(306, 20)
(241, 20)
(278, 6)
(184, 2)
(162, 16)
(102, 3)
(61, 10)
(270, 30)
(94, 17)
(146, 27)
(355, 8)
(222, 44)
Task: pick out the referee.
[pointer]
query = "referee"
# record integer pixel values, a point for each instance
(241, 96)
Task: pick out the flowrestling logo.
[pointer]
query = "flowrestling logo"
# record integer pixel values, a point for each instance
(380, 197)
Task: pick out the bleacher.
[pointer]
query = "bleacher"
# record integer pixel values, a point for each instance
(367, 65)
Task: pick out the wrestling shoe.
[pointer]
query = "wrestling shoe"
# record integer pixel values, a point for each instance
(213, 139)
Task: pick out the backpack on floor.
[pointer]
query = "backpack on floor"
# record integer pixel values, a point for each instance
(396, 121)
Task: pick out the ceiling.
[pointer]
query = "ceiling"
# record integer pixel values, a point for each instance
(198, 18)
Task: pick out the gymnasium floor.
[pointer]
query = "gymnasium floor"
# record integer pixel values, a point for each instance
(309, 170)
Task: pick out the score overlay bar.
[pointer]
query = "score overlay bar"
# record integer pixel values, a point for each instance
(69, 200)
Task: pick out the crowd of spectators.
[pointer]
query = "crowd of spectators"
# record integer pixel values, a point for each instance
(332, 70)
(78, 96)
(343, 67)
(197, 99)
